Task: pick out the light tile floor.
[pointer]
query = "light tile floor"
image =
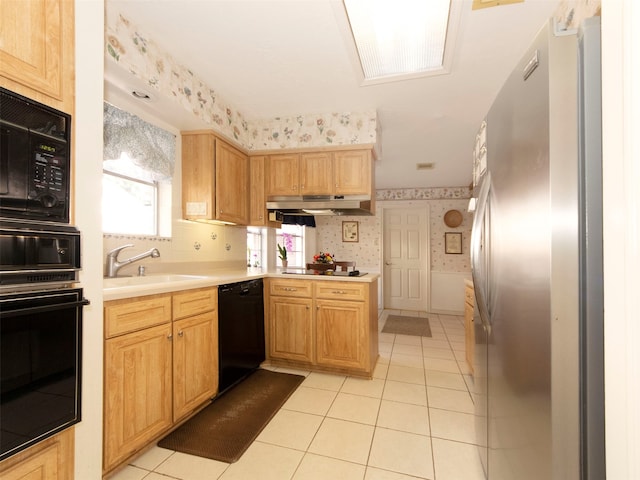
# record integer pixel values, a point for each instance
(413, 420)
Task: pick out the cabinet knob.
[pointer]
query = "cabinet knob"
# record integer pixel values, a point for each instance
(339, 292)
(181, 333)
(170, 336)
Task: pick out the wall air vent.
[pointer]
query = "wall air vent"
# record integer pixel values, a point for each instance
(425, 166)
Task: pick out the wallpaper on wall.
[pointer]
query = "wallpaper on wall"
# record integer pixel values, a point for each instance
(367, 251)
(144, 59)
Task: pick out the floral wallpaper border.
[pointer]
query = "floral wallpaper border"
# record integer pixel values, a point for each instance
(433, 193)
(143, 58)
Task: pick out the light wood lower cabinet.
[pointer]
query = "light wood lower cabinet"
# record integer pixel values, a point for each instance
(291, 329)
(341, 334)
(156, 374)
(323, 325)
(137, 405)
(52, 458)
(195, 363)
(469, 334)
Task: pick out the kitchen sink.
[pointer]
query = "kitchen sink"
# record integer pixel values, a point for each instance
(148, 280)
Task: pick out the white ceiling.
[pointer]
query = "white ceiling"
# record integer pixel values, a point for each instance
(272, 58)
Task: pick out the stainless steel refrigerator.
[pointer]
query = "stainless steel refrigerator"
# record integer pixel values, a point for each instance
(537, 267)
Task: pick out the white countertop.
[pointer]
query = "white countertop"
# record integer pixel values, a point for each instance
(128, 287)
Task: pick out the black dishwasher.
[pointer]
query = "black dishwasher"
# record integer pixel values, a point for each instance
(240, 331)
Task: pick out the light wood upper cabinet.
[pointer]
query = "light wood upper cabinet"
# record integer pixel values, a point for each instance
(37, 50)
(283, 177)
(343, 172)
(215, 179)
(316, 173)
(353, 173)
(198, 175)
(258, 214)
(232, 184)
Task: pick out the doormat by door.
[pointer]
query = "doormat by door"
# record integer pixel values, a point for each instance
(226, 428)
(416, 326)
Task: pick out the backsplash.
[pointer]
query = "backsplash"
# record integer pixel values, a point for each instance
(191, 243)
(146, 60)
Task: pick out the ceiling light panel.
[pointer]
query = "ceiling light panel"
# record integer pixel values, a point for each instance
(398, 37)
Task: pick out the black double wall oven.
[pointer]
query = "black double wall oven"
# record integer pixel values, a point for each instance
(40, 300)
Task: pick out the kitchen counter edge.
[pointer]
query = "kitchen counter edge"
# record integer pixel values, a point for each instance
(131, 291)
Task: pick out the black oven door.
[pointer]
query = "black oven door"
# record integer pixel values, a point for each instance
(33, 253)
(40, 361)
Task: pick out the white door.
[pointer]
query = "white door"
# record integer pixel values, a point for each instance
(406, 258)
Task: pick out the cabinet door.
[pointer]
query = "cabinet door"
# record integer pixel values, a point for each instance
(341, 334)
(469, 333)
(52, 458)
(232, 184)
(198, 176)
(352, 172)
(291, 332)
(137, 390)
(257, 199)
(37, 50)
(283, 174)
(195, 362)
(316, 174)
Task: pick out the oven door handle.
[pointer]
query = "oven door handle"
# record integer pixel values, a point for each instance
(44, 308)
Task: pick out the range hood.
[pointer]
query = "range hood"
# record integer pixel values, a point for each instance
(321, 205)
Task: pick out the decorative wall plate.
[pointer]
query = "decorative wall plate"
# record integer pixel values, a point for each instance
(453, 218)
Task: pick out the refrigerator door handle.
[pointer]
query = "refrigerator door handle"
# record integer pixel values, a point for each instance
(476, 246)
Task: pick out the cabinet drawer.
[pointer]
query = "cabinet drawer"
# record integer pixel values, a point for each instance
(290, 288)
(128, 315)
(194, 302)
(340, 290)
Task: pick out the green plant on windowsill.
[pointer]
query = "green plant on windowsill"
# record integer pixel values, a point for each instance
(283, 252)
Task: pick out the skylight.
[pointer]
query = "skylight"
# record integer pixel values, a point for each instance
(399, 38)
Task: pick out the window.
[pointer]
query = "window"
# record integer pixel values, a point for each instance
(254, 247)
(138, 164)
(292, 238)
(130, 204)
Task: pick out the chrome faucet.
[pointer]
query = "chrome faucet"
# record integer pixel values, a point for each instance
(113, 265)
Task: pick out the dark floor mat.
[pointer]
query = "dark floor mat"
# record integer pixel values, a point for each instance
(226, 428)
(417, 326)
